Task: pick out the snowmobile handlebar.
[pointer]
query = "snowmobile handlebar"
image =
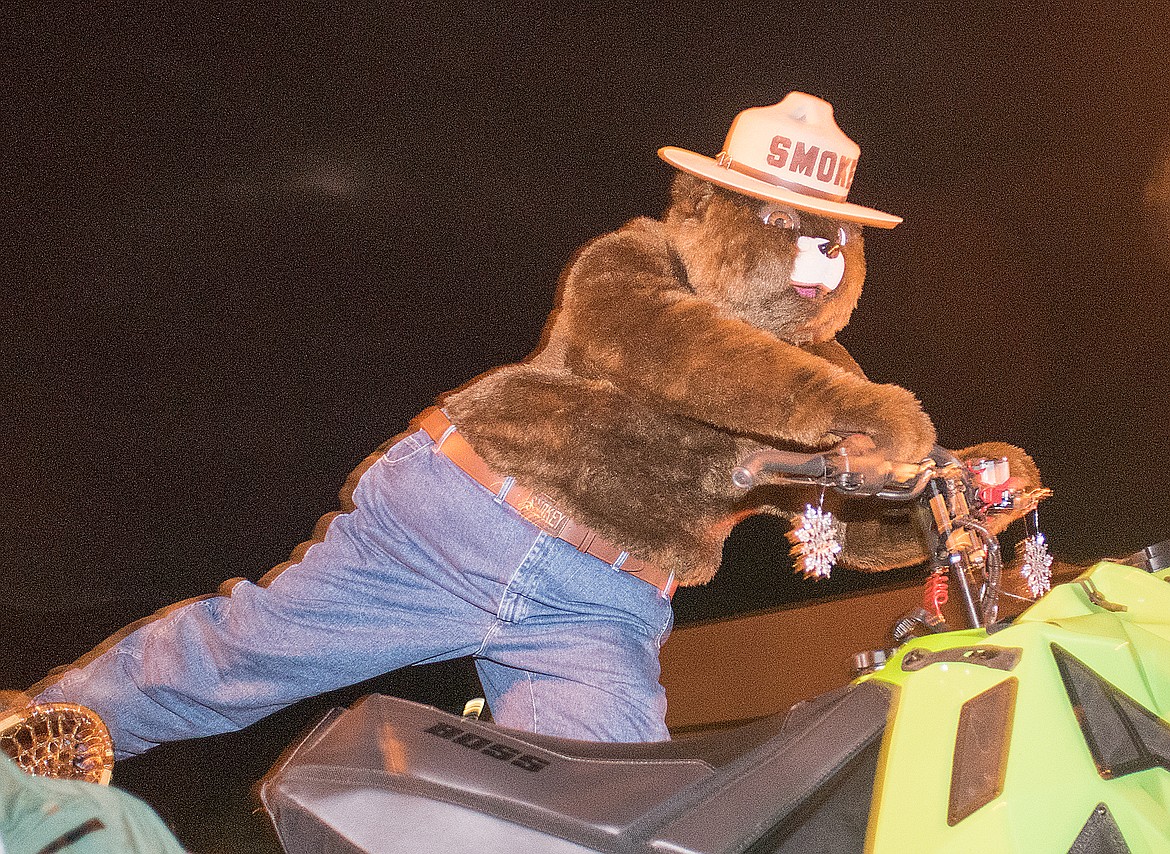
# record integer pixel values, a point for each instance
(852, 468)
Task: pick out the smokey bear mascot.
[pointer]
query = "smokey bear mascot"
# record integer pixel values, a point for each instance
(541, 517)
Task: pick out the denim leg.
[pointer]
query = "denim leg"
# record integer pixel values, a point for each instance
(416, 571)
(576, 651)
(427, 565)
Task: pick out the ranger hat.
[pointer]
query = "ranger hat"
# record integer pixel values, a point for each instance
(792, 153)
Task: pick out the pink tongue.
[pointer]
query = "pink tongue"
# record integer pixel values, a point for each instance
(806, 291)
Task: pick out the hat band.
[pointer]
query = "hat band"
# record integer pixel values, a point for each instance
(724, 159)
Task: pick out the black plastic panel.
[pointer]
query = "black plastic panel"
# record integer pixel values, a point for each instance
(981, 749)
(1123, 736)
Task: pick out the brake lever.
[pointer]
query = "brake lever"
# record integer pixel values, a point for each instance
(925, 473)
(855, 467)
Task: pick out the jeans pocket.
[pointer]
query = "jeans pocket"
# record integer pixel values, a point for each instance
(406, 447)
(667, 627)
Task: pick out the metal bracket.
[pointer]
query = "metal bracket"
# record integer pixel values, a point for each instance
(1097, 599)
(995, 657)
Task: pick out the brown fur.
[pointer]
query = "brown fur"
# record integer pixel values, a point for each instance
(677, 346)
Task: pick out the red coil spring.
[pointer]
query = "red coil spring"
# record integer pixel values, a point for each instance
(934, 596)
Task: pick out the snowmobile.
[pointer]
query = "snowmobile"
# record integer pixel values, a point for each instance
(1049, 731)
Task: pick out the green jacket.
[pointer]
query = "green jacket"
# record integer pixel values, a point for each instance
(43, 816)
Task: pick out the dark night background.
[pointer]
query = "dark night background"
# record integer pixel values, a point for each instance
(245, 245)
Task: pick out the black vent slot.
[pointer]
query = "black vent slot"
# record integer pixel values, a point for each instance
(1123, 736)
(1100, 835)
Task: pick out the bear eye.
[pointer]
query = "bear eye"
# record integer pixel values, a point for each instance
(781, 219)
(832, 250)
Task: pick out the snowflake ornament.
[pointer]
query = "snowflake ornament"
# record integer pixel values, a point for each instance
(815, 542)
(1036, 567)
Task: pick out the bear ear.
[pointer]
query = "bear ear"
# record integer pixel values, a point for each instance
(689, 196)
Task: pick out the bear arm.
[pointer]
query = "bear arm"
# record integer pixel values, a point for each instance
(833, 351)
(632, 323)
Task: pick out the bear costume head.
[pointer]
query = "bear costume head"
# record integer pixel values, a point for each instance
(773, 206)
(736, 248)
(682, 344)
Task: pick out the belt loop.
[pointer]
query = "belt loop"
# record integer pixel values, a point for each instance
(617, 564)
(439, 443)
(505, 488)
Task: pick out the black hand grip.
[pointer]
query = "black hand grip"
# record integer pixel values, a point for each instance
(769, 461)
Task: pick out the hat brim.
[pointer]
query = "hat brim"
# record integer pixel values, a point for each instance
(706, 168)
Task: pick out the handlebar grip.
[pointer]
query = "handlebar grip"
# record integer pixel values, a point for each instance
(770, 461)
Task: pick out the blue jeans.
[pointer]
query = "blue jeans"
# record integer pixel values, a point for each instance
(428, 565)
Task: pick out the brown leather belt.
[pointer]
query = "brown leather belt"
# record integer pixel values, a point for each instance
(536, 508)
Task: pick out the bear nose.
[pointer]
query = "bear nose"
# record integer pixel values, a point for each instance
(818, 262)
